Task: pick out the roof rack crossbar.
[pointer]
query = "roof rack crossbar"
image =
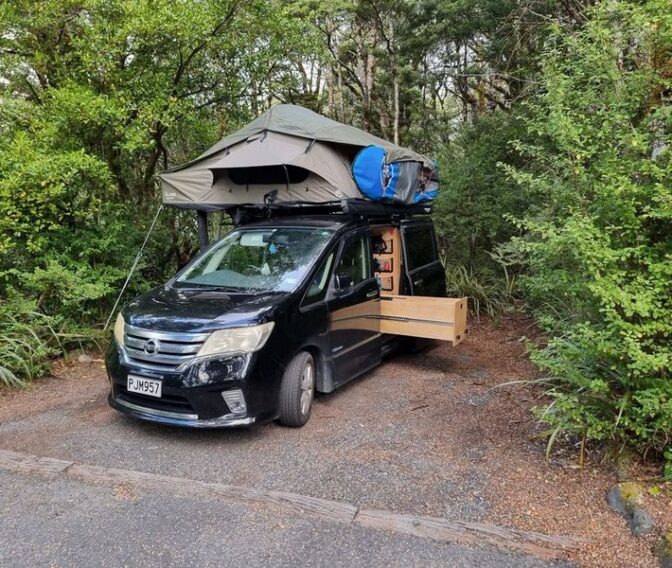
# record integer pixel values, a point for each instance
(246, 213)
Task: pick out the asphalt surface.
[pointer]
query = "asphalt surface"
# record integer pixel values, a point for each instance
(375, 443)
(60, 522)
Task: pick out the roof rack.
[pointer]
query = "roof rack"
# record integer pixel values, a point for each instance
(243, 214)
(375, 209)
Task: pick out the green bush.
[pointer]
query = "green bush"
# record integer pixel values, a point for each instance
(488, 294)
(65, 250)
(42, 190)
(599, 244)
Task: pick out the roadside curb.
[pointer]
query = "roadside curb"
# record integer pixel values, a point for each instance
(433, 528)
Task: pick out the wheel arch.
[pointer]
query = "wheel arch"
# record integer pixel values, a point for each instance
(324, 380)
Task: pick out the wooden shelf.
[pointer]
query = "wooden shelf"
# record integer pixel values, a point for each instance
(390, 279)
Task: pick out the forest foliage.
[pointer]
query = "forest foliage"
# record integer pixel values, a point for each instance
(550, 121)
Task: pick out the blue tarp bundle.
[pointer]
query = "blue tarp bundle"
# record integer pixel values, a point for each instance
(401, 181)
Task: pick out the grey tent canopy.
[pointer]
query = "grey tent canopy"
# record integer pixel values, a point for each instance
(303, 155)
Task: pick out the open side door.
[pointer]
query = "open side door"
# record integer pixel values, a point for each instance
(424, 316)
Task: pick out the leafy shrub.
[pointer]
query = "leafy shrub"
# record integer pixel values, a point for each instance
(476, 199)
(42, 190)
(63, 257)
(599, 248)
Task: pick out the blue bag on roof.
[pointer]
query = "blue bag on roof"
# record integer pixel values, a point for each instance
(429, 186)
(400, 182)
(368, 169)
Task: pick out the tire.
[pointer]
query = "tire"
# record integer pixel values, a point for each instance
(297, 391)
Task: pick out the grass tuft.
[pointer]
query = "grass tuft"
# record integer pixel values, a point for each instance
(488, 295)
(28, 342)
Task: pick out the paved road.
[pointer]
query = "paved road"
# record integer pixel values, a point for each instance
(60, 522)
(384, 442)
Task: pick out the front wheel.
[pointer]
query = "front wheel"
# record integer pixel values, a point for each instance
(297, 390)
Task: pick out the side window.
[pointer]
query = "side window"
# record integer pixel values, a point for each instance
(355, 260)
(318, 286)
(419, 243)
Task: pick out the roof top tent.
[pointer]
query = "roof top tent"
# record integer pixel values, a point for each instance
(293, 157)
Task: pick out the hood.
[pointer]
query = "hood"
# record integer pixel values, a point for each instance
(197, 310)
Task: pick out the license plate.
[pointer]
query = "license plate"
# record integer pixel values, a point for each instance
(142, 385)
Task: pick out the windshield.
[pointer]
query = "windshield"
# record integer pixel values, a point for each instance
(268, 260)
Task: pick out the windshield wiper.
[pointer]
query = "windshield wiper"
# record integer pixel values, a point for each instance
(206, 287)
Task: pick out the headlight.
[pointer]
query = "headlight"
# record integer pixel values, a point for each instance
(119, 330)
(237, 340)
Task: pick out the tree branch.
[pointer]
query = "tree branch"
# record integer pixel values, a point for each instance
(184, 63)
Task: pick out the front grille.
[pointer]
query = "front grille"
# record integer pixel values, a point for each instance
(161, 350)
(167, 402)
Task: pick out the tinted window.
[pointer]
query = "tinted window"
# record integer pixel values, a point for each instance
(355, 260)
(419, 246)
(265, 175)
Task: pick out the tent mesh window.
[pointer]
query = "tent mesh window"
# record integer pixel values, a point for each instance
(264, 175)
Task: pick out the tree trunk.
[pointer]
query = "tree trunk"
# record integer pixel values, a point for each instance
(341, 98)
(330, 92)
(396, 103)
(370, 70)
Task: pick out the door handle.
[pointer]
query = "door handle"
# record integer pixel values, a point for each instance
(372, 294)
(419, 282)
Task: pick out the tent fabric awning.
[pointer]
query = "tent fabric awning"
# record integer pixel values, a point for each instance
(301, 122)
(279, 149)
(286, 135)
(272, 149)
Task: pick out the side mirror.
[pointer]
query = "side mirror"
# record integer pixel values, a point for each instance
(343, 281)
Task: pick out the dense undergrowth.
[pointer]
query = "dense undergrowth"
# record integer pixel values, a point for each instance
(598, 243)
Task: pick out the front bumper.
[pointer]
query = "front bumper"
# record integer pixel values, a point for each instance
(191, 398)
(177, 418)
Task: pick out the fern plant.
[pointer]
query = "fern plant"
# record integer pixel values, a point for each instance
(488, 295)
(29, 339)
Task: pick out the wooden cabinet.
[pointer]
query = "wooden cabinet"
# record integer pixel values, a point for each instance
(387, 255)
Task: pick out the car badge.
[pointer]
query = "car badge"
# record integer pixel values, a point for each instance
(151, 347)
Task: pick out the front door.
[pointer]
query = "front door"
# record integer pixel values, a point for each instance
(354, 306)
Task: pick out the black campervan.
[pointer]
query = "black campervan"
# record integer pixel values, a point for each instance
(331, 264)
(273, 312)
